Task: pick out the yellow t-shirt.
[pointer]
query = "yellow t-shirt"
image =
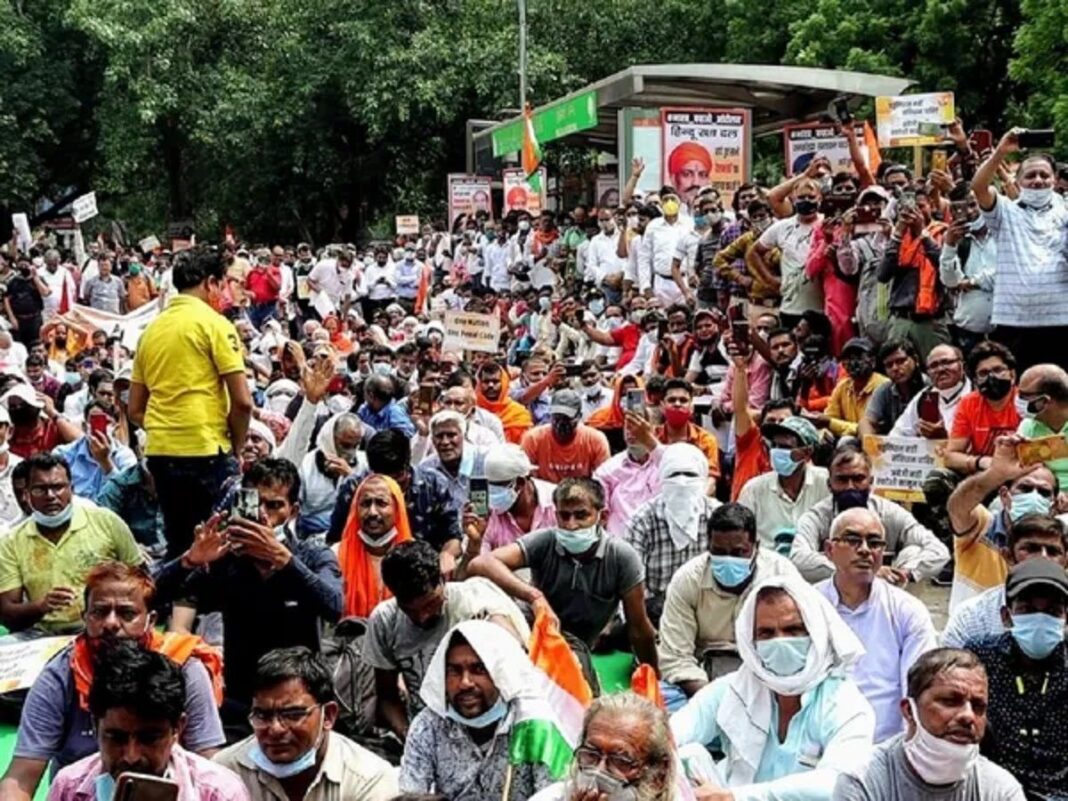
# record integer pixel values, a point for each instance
(31, 562)
(978, 563)
(181, 358)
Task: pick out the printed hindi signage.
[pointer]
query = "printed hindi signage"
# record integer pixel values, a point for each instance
(704, 147)
(519, 195)
(910, 120)
(469, 194)
(561, 119)
(804, 142)
(83, 208)
(407, 224)
(470, 331)
(21, 660)
(149, 244)
(900, 464)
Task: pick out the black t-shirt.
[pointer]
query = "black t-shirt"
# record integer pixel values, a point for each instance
(24, 298)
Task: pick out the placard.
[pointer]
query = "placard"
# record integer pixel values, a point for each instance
(83, 208)
(149, 244)
(518, 194)
(805, 142)
(471, 331)
(898, 119)
(607, 189)
(407, 224)
(468, 194)
(21, 224)
(900, 464)
(704, 147)
(21, 660)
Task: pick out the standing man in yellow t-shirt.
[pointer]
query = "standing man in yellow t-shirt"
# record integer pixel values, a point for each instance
(189, 392)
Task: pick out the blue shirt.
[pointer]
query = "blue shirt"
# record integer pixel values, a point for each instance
(389, 416)
(832, 731)
(406, 274)
(126, 494)
(86, 476)
(539, 407)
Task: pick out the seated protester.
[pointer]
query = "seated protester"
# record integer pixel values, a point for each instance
(459, 744)
(481, 428)
(631, 477)
(336, 456)
(1027, 671)
(577, 572)
(980, 534)
(138, 705)
(931, 412)
(95, 456)
(985, 414)
(294, 754)
(709, 361)
(610, 419)
(673, 352)
(900, 363)
(536, 380)
(781, 353)
(404, 630)
(817, 374)
(894, 626)
(850, 398)
(491, 394)
(380, 411)
(668, 529)
(38, 376)
(35, 424)
(131, 494)
(432, 510)
(1042, 402)
(630, 737)
(793, 646)
(918, 554)
(453, 457)
(679, 426)
(272, 589)
(703, 599)
(10, 509)
(45, 560)
(938, 755)
(564, 447)
(518, 502)
(792, 487)
(55, 726)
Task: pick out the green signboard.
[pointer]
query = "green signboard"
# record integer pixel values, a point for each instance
(553, 122)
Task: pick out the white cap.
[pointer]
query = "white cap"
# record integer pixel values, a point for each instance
(507, 462)
(5, 418)
(263, 430)
(25, 393)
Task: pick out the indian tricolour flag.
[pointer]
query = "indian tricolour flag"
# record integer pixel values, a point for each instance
(531, 151)
(548, 722)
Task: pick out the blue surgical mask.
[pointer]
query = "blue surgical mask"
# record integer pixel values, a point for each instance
(305, 761)
(781, 462)
(105, 787)
(1036, 198)
(1029, 503)
(784, 656)
(382, 368)
(597, 306)
(501, 499)
(56, 520)
(978, 224)
(487, 718)
(700, 221)
(544, 304)
(578, 541)
(1037, 633)
(730, 571)
(72, 378)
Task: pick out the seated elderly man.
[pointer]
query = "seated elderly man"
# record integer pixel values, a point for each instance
(938, 755)
(453, 456)
(794, 648)
(483, 428)
(917, 552)
(894, 626)
(704, 596)
(458, 745)
(625, 752)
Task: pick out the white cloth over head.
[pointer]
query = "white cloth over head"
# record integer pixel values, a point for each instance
(684, 495)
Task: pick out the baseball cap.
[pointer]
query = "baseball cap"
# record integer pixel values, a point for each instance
(863, 344)
(797, 426)
(23, 392)
(566, 401)
(1036, 573)
(876, 190)
(507, 462)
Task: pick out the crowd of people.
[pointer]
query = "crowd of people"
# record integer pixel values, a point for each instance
(303, 542)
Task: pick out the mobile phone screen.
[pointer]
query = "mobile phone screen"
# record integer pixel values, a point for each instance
(478, 495)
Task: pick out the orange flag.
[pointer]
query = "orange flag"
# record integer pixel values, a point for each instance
(645, 683)
(874, 159)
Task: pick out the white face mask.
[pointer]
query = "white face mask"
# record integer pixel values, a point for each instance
(938, 761)
(1036, 198)
(378, 542)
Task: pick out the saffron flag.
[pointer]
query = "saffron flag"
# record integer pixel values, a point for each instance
(645, 683)
(531, 151)
(874, 159)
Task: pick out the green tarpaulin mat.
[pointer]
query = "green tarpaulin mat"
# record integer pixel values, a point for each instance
(7, 748)
(613, 671)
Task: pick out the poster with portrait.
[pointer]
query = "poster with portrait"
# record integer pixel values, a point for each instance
(469, 194)
(518, 194)
(705, 147)
(607, 191)
(804, 142)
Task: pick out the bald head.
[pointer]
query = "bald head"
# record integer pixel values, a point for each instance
(1044, 390)
(859, 517)
(855, 546)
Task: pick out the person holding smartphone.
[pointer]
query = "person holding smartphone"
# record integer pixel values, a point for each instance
(967, 267)
(97, 455)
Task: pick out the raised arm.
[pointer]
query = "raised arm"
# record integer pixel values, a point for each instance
(982, 183)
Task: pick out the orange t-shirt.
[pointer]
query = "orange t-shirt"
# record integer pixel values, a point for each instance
(981, 424)
(703, 441)
(750, 460)
(554, 462)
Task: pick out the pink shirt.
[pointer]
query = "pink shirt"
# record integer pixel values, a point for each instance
(759, 373)
(501, 528)
(198, 779)
(627, 485)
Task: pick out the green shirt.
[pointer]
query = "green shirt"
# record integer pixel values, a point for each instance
(1036, 429)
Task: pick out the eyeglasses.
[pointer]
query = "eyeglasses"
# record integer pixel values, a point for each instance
(588, 757)
(854, 541)
(288, 717)
(999, 372)
(44, 490)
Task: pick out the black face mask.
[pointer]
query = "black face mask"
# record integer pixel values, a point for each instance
(805, 207)
(564, 429)
(24, 416)
(994, 388)
(858, 368)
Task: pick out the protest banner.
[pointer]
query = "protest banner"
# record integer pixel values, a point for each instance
(407, 224)
(471, 331)
(21, 223)
(82, 321)
(468, 194)
(22, 659)
(149, 244)
(83, 208)
(900, 464)
(519, 195)
(903, 121)
(804, 142)
(704, 147)
(607, 191)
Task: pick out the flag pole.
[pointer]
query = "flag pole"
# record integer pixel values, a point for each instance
(508, 773)
(522, 54)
